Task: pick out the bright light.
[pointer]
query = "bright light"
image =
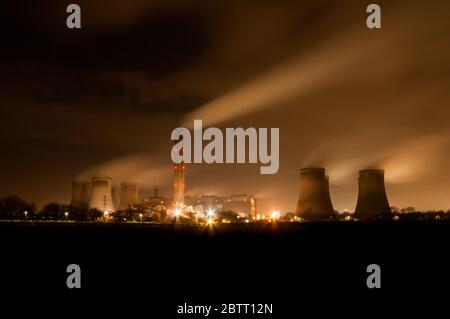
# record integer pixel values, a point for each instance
(275, 214)
(105, 213)
(210, 213)
(177, 212)
(210, 221)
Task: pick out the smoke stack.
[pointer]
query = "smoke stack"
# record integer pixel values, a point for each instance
(101, 197)
(81, 195)
(314, 200)
(129, 194)
(372, 199)
(178, 183)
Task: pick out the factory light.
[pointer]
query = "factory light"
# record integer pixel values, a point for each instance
(275, 214)
(210, 213)
(177, 212)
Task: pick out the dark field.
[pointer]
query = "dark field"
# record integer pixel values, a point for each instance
(154, 268)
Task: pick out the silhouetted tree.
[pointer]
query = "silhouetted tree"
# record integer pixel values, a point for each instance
(13, 207)
(53, 211)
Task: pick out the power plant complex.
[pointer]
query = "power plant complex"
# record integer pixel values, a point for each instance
(314, 201)
(98, 195)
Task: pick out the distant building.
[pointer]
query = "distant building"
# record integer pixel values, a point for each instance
(244, 205)
(155, 200)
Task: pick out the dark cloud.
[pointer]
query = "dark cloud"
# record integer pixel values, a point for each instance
(105, 98)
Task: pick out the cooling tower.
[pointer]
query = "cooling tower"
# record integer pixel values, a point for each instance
(314, 200)
(372, 199)
(129, 194)
(81, 195)
(101, 197)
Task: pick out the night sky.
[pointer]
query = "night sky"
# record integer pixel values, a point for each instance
(103, 100)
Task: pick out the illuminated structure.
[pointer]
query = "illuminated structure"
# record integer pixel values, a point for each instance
(244, 205)
(372, 200)
(81, 195)
(178, 183)
(101, 197)
(314, 200)
(129, 195)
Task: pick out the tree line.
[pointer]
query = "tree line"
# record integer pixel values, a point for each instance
(14, 207)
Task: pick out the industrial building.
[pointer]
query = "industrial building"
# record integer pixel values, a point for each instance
(244, 205)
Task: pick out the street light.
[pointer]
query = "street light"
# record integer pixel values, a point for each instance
(26, 214)
(140, 217)
(66, 214)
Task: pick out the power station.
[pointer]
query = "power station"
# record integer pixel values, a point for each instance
(101, 196)
(372, 200)
(129, 195)
(314, 200)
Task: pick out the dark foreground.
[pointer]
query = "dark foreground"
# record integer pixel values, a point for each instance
(150, 269)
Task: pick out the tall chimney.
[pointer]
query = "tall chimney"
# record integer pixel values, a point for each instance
(178, 183)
